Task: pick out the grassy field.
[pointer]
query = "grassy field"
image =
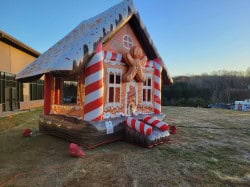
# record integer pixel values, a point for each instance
(212, 148)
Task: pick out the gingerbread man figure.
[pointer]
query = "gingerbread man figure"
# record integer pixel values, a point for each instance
(136, 61)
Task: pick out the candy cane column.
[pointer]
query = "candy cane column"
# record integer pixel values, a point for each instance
(139, 126)
(93, 101)
(157, 86)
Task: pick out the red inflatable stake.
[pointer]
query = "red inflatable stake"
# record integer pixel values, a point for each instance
(75, 150)
(27, 133)
(173, 129)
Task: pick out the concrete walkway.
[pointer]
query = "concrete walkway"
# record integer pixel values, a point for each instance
(11, 113)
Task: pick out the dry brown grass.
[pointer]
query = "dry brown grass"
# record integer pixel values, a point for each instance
(212, 148)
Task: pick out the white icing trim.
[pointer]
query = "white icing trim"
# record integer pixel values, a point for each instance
(147, 104)
(148, 69)
(108, 115)
(113, 105)
(114, 62)
(114, 70)
(148, 75)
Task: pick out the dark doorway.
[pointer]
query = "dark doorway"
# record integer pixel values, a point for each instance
(11, 92)
(10, 99)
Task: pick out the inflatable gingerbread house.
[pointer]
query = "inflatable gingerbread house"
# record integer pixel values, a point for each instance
(102, 82)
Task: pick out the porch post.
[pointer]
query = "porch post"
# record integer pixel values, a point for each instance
(157, 86)
(58, 91)
(47, 93)
(94, 87)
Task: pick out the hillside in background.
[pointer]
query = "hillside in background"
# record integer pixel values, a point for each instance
(219, 87)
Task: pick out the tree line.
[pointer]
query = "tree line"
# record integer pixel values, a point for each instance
(202, 90)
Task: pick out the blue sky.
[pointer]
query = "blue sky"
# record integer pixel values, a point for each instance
(192, 36)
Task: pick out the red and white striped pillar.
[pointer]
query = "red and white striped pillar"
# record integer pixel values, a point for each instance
(94, 87)
(157, 86)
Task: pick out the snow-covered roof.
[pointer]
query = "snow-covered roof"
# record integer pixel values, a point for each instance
(72, 50)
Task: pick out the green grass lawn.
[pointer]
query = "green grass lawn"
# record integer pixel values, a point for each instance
(212, 148)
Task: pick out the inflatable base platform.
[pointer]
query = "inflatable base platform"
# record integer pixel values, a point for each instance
(91, 134)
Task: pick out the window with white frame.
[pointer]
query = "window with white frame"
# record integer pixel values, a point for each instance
(147, 89)
(114, 85)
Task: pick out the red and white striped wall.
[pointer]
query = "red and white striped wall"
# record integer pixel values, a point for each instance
(139, 126)
(94, 87)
